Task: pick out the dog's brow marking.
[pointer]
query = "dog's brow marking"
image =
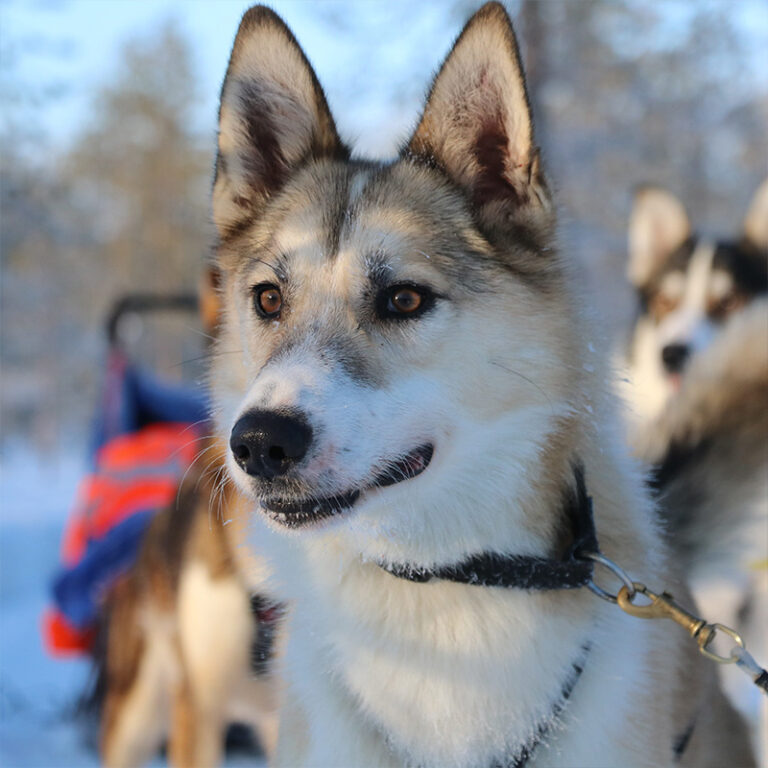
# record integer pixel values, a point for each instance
(279, 273)
(356, 188)
(337, 213)
(721, 284)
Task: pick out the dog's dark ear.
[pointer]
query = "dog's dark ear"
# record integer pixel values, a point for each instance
(658, 225)
(756, 220)
(273, 116)
(477, 121)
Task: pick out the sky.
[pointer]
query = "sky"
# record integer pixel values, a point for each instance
(374, 57)
(65, 48)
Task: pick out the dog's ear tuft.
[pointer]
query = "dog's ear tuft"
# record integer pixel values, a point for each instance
(756, 220)
(477, 121)
(273, 116)
(658, 225)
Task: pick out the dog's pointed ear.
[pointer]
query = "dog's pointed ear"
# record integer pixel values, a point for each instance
(273, 116)
(756, 220)
(658, 225)
(477, 122)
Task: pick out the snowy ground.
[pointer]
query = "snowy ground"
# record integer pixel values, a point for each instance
(37, 693)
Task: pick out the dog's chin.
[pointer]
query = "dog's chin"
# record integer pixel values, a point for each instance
(296, 512)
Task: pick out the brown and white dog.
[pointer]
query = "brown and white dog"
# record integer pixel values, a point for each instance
(189, 631)
(185, 646)
(406, 383)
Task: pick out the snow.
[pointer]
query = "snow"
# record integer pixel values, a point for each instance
(38, 694)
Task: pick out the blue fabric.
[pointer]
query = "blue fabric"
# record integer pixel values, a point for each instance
(135, 398)
(156, 400)
(78, 591)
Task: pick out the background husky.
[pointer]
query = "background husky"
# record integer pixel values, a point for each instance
(687, 287)
(709, 450)
(405, 379)
(699, 391)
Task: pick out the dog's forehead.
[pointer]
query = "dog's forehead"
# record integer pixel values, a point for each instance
(366, 215)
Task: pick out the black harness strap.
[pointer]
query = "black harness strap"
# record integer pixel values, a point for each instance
(681, 742)
(489, 569)
(524, 753)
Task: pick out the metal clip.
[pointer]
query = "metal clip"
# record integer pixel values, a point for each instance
(663, 606)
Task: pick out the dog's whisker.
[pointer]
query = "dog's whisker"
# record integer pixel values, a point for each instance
(524, 378)
(222, 480)
(187, 471)
(197, 439)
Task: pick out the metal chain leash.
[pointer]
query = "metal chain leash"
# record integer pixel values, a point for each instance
(663, 606)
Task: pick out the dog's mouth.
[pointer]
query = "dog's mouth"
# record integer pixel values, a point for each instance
(675, 381)
(293, 512)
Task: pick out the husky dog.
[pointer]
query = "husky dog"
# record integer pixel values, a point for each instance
(407, 386)
(709, 452)
(687, 286)
(699, 385)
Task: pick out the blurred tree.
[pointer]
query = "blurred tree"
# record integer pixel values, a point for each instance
(624, 91)
(140, 173)
(125, 209)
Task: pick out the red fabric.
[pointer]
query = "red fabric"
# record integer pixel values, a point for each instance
(134, 472)
(62, 639)
(129, 476)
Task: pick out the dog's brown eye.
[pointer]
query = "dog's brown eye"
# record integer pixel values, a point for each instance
(719, 310)
(405, 301)
(268, 299)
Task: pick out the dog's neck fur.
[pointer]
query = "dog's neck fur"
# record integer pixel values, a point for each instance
(422, 659)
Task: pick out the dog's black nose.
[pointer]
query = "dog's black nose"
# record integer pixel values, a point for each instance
(674, 357)
(268, 443)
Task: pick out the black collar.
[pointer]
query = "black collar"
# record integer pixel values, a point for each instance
(489, 569)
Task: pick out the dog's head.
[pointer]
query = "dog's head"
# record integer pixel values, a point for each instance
(688, 286)
(395, 334)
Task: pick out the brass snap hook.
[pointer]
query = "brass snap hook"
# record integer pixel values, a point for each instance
(663, 606)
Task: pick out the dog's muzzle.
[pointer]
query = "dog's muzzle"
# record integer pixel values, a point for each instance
(295, 511)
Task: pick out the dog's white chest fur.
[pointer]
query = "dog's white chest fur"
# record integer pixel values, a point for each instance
(444, 674)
